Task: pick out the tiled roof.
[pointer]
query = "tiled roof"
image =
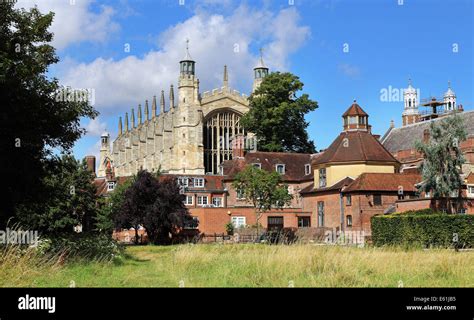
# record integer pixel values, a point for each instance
(404, 138)
(354, 110)
(355, 146)
(101, 186)
(294, 164)
(337, 186)
(384, 182)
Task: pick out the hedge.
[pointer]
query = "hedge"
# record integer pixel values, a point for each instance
(423, 229)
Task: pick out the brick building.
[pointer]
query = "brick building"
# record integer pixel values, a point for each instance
(355, 178)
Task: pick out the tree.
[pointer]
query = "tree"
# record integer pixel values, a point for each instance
(110, 206)
(168, 215)
(263, 189)
(156, 205)
(443, 159)
(38, 119)
(69, 199)
(276, 115)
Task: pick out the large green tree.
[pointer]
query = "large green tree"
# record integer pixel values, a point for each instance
(156, 205)
(37, 119)
(69, 199)
(277, 114)
(443, 159)
(262, 189)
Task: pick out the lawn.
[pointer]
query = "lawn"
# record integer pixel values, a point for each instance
(255, 266)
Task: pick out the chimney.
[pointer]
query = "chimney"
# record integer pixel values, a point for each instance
(238, 143)
(90, 161)
(376, 136)
(426, 135)
(460, 108)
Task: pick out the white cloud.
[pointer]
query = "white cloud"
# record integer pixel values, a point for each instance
(215, 40)
(95, 127)
(74, 21)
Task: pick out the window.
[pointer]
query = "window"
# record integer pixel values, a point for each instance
(348, 200)
(240, 194)
(189, 200)
(322, 177)
(202, 200)
(304, 222)
(280, 168)
(110, 186)
(427, 194)
(183, 182)
(257, 165)
(321, 214)
(470, 189)
(377, 199)
(349, 221)
(217, 201)
(462, 211)
(238, 222)
(307, 169)
(198, 182)
(192, 224)
(352, 120)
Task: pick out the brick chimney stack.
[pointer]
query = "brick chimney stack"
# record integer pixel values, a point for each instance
(238, 145)
(90, 161)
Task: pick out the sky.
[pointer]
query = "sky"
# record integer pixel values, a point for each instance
(127, 51)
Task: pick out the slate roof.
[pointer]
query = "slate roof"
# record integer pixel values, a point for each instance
(354, 110)
(404, 138)
(354, 146)
(384, 182)
(294, 164)
(337, 186)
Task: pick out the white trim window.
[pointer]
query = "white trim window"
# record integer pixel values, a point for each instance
(470, 190)
(307, 169)
(189, 201)
(280, 168)
(218, 202)
(183, 182)
(198, 182)
(240, 194)
(202, 200)
(239, 222)
(110, 186)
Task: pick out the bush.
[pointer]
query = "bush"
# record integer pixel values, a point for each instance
(423, 228)
(89, 246)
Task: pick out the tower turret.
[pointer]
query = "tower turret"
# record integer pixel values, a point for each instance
(188, 87)
(260, 72)
(355, 118)
(104, 154)
(450, 99)
(410, 100)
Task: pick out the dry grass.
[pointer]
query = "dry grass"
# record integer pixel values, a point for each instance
(257, 266)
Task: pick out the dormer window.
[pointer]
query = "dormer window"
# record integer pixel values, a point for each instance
(257, 165)
(199, 182)
(307, 169)
(110, 186)
(183, 182)
(322, 177)
(280, 168)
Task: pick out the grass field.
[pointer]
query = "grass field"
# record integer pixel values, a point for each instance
(252, 266)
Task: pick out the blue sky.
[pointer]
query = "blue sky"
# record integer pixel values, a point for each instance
(430, 41)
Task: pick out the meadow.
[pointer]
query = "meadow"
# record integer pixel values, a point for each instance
(248, 265)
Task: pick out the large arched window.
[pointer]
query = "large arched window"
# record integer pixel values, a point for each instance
(219, 129)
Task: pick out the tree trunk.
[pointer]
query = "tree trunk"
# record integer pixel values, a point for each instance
(136, 235)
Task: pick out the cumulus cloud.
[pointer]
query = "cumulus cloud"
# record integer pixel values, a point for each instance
(74, 21)
(95, 127)
(215, 40)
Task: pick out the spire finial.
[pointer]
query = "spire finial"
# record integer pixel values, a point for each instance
(409, 82)
(187, 57)
(153, 107)
(449, 84)
(162, 102)
(171, 96)
(120, 126)
(226, 77)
